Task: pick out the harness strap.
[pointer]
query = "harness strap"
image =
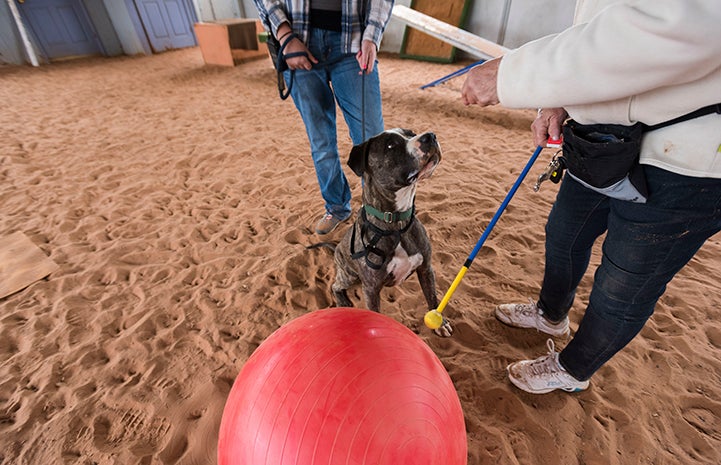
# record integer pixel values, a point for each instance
(378, 233)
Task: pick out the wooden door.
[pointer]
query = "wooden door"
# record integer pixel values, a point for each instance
(168, 24)
(62, 28)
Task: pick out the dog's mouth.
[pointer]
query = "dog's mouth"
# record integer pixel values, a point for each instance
(427, 169)
(425, 172)
(427, 152)
(412, 177)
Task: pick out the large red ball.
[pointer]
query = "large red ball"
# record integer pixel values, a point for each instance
(343, 386)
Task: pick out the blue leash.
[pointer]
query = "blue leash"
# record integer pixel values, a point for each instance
(459, 72)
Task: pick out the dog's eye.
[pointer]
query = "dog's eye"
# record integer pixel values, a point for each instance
(392, 145)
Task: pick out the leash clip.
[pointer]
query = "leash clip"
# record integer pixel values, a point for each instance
(388, 217)
(553, 172)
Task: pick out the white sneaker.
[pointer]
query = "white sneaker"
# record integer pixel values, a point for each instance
(543, 374)
(530, 316)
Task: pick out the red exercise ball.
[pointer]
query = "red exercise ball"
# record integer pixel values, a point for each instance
(343, 386)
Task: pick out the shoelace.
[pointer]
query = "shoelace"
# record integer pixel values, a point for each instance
(527, 310)
(531, 309)
(547, 364)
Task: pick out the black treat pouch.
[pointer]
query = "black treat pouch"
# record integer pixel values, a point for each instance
(276, 50)
(273, 48)
(604, 157)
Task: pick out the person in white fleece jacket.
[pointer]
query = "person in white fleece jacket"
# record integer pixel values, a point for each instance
(622, 62)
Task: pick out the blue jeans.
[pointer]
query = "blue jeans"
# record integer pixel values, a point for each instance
(335, 79)
(645, 246)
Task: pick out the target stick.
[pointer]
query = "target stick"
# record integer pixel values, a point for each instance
(433, 318)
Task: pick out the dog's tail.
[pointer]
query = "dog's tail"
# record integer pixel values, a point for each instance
(330, 245)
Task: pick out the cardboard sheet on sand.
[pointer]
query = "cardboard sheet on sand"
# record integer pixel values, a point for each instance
(21, 263)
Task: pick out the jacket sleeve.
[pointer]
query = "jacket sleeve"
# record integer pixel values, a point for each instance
(378, 16)
(272, 14)
(625, 50)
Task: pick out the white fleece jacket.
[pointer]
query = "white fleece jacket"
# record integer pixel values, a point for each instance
(626, 61)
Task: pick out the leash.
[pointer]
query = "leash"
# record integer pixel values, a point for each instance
(369, 248)
(363, 104)
(433, 318)
(282, 66)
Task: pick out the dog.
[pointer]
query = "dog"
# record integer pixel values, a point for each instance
(387, 242)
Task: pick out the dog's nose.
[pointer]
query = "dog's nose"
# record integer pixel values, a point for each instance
(428, 138)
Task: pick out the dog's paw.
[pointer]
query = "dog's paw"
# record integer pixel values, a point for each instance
(446, 330)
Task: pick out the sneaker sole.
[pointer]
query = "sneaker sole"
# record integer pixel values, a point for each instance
(525, 388)
(500, 316)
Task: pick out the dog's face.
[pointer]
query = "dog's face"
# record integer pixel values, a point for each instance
(396, 158)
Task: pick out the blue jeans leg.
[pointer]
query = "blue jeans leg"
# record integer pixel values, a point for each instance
(645, 246)
(314, 99)
(349, 88)
(578, 217)
(315, 92)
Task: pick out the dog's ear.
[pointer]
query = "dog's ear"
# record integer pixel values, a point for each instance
(357, 158)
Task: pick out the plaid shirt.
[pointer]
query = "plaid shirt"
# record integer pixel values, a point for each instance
(360, 20)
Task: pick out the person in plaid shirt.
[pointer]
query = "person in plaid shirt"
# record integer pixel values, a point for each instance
(331, 49)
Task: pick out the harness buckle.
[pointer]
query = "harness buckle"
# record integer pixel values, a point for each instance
(388, 217)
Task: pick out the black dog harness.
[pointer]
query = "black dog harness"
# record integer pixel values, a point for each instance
(370, 248)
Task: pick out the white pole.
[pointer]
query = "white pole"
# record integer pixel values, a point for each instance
(459, 38)
(504, 22)
(23, 33)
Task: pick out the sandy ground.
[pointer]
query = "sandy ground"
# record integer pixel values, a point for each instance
(178, 199)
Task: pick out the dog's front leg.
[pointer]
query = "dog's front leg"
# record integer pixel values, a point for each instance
(427, 279)
(372, 296)
(341, 297)
(344, 279)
